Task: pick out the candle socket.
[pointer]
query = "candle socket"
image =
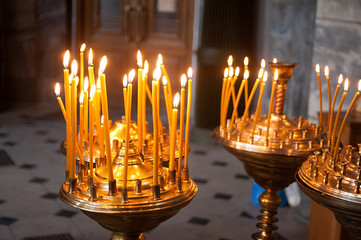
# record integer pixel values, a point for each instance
(172, 175)
(81, 176)
(179, 185)
(357, 186)
(161, 182)
(90, 182)
(93, 193)
(66, 177)
(156, 192)
(138, 187)
(185, 174)
(124, 195)
(112, 187)
(103, 161)
(72, 185)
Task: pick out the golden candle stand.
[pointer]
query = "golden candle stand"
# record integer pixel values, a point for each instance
(145, 207)
(271, 162)
(335, 184)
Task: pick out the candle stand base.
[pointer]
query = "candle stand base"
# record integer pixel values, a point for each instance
(121, 236)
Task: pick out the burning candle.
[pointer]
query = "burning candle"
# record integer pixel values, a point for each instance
(68, 109)
(188, 117)
(155, 129)
(147, 90)
(97, 107)
(320, 92)
(339, 82)
(181, 123)
(86, 109)
(165, 91)
(225, 75)
(275, 78)
(81, 70)
(91, 68)
(104, 100)
(91, 128)
(259, 103)
(260, 73)
(245, 63)
(173, 133)
(144, 97)
(227, 93)
(345, 88)
(125, 88)
(357, 94)
(74, 82)
(81, 124)
(140, 100)
(329, 93)
(57, 93)
(164, 71)
(263, 65)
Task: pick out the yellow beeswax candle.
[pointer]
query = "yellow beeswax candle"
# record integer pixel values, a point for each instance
(327, 75)
(165, 91)
(259, 103)
(91, 68)
(245, 63)
(239, 94)
(155, 133)
(188, 117)
(140, 101)
(57, 93)
(227, 93)
(81, 125)
(173, 133)
(317, 69)
(270, 109)
(86, 109)
(125, 89)
(91, 127)
(339, 82)
(74, 126)
(97, 107)
(81, 70)
(225, 75)
(68, 109)
(144, 98)
(164, 71)
(181, 123)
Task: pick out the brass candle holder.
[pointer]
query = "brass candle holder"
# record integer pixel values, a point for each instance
(335, 184)
(271, 161)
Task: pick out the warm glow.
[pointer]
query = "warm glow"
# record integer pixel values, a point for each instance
(103, 64)
(345, 87)
(260, 73)
(66, 59)
(156, 74)
(275, 78)
(76, 81)
(164, 81)
(230, 60)
(246, 74)
(245, 61)
(92, 92)
(86, 83)
(183, 80)
(225, 73)
(263, 63)
(90, 59)
(327, 72)
(82, 48)
(359, 85)
(159, 60)
(81, 98)
(74, 68)
(230, 73)
(131, 76)
(317, 68)
(98, 83)
(146, 67)
(236, 73)
(102, 120)
(176, 100)
(57, 89)
(139, 59)
(340, 79)
(125, 81)
(190, 73)
(274, 60)
(265, 76)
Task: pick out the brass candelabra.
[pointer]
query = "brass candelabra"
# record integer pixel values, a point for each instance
(271, 148)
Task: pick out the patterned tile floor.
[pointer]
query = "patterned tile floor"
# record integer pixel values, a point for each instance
(32, 170)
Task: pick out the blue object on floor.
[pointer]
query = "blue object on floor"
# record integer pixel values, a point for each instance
(257, 191)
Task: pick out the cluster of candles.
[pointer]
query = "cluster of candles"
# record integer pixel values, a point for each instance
(94, 117)
(333, 142)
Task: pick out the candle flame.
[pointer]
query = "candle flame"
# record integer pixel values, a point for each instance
(74, 67)
(103, 64)
(245, 61)
(359, 85)
(327, 71)
(225, 73)
(317, 68)
(345, 87)
(164, 81)
(98, 83)
(230, 73)
(102, 120)
(176, 100)
(90, 59)
(246, 74)
(274, 60)
(82, 48)
(92, 91)
(86, 83)
(340, 79)
(265, 76)
(183, 80)
(131, 76)
(125, 81)
(260, 73)
(57, 89)
(159, 60)
(81, 98)
(237, 72)
(230, 60)
(190, 73)
(66, 59)
(146, 67)
(263, 63)
(71, 76)
(275, 77)
(139, 59)
(156, 74)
